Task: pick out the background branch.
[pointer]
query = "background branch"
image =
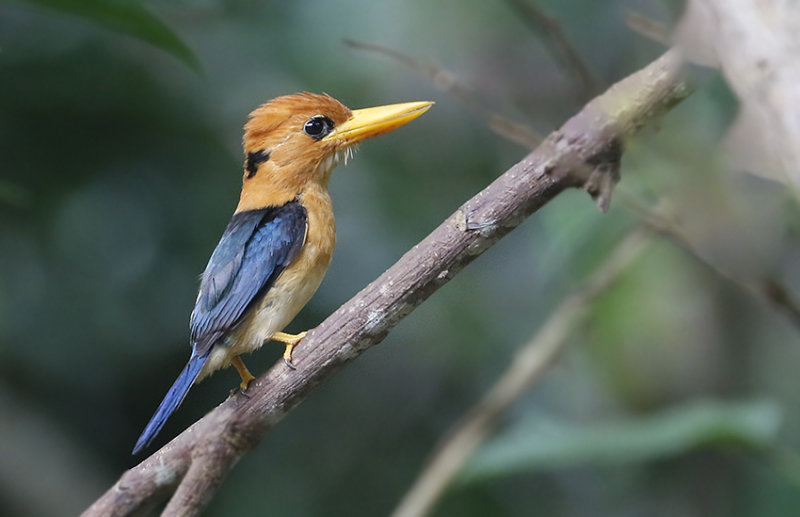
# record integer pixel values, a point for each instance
(648, 28)
(530, 362)
(769, 289)
(195, 463)
(557, 42)
(449, 83)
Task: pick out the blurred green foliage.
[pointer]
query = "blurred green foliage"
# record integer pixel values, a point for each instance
(536, 444)
(128, 18)
(121, 165)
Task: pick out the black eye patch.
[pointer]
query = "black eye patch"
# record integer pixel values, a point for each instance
(318, 127)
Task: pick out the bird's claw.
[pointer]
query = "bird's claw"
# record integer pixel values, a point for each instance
(244, 373)
(290, 340)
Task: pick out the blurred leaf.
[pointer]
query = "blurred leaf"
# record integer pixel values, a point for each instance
(533, 445)
(128, 18)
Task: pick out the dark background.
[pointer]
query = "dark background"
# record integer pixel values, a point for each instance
(120, 164)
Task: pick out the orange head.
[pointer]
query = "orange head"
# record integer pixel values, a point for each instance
(296, 140)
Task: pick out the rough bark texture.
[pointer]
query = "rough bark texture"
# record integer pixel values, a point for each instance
(585, 153)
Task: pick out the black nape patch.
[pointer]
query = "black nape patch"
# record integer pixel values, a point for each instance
(254, 160)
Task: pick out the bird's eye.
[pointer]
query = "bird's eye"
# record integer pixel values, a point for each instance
(318, 126)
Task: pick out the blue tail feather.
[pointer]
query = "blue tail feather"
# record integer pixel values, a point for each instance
(171, 401)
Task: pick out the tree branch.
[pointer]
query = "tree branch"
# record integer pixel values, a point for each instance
(196, 462)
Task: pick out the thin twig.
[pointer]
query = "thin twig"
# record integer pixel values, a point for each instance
(768, 289)
(528, 365)
(449, 83)
(193, 465)
(647, 27)
(559, 44)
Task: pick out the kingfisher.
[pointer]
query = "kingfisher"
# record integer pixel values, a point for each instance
(276, 248)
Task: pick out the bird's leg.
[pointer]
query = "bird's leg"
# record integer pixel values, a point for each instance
(290, 340)
(244, 373)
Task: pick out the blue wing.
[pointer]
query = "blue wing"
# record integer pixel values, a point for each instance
(256, 247)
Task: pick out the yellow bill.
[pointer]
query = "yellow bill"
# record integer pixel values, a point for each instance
(368, 122)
